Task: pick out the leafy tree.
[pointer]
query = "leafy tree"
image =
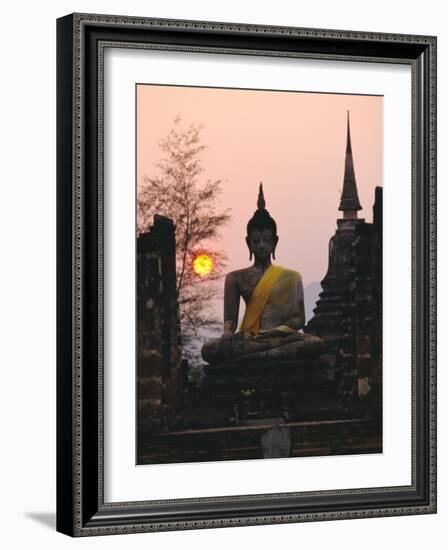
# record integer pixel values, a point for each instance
(177, 192)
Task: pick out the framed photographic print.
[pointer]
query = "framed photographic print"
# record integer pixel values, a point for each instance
(246, 274)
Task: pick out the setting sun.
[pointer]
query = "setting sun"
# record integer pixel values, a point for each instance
(203, 264)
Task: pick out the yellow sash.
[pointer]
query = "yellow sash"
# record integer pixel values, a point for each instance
(259, 298)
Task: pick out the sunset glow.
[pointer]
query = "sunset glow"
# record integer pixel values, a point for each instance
(203, 265)
(294, 142)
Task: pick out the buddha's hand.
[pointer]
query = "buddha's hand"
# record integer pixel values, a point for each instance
(281, 330)
(229, 329)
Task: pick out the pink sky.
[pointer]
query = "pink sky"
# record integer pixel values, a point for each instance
(294, 142)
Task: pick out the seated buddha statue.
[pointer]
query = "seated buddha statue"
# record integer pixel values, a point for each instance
(275, 312)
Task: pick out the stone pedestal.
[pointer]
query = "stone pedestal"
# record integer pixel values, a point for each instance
(240, 393)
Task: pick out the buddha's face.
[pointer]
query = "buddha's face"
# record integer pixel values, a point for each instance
(262, 243)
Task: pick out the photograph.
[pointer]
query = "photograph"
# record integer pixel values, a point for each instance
(232, 235)
(259, 265)
(246, 274)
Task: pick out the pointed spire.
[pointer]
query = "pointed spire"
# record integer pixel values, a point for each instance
(349, 141)
(261, 203)
(349, 199)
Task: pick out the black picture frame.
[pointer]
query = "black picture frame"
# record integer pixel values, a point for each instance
(81, 509)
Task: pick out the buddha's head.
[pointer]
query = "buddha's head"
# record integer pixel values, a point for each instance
(262, 235)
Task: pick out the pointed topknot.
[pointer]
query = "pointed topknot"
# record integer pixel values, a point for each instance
(261, 203)
(261, 219)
